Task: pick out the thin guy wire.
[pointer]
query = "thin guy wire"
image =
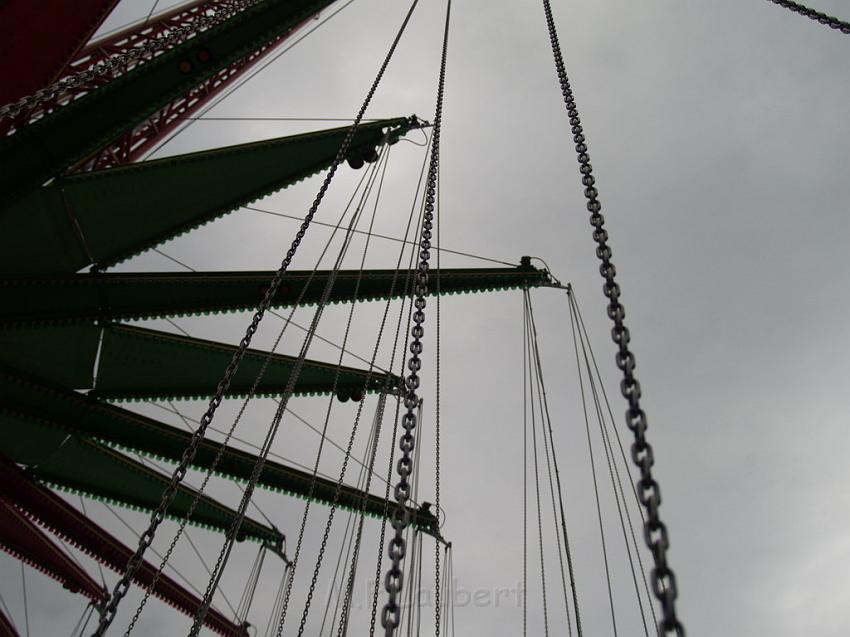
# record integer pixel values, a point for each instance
(363, 480)
(593, 472)
(599, 418)
(632, 489)
(168, 496)
(388, 238)
(544, 415)
(186, 421)
(6, 608)
(26, 603)
(346, 606)
(79, 626)
(99, 567)
(537, 486)
(557, 470)
(180, 575)
(242, 82)
(296, 559)
(243, 345)
(248, 597)
(524, 466)
(225, 552)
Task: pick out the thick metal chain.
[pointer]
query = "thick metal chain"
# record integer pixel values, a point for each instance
(394, 580)
(828, 20)
(172, 37)
(123, 585)
(655, 532)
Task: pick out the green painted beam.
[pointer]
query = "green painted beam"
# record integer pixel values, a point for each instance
(122, 362)
(84, 417)
(103, 217)
(77, 298)
(80, 465)
(45, 148)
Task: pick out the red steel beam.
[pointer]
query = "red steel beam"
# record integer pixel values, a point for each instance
(56, 515)
(7, 628)
(39, 39)
(23, 540)
(144, 137)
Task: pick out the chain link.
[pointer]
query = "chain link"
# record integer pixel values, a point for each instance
(175, 35)
(394, 580)
(817, 16)
(123, 585)
(655, 532)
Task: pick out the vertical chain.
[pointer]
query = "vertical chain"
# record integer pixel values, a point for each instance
(394, 580)
(655, 532)
(437, 609)
(817, 16)
(123, 585)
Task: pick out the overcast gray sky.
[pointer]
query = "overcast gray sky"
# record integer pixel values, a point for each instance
(718, 133)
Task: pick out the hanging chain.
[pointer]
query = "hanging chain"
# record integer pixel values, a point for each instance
(393, 583)
(828, 20)
(175, 35)
(655, 532)
(437, 609)
(123, 585)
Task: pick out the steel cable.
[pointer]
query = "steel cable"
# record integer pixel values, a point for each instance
(595, 482)
(613, 427)
(544, 422)
(276, 420)
(534, 454)
(134, 563)
(251, 393)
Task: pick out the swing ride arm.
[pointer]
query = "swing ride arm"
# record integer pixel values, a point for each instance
(23, 540)
(82, 465)
(46, 45)
(83, 417)
(81, 298)
(56, 515)
(100, 218)
(123, 362)
(60, 139)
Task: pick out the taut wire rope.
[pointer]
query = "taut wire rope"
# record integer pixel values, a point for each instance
(612, 468)
(135, 561)
(26, 601)
(360, 407)
(593, 473)
(524, 465)
(583, 331)
(537, 375)
(563, 517)
(294, 375)
(369, 178)
(436, 247)
(535, 454)
(243, 81)
(347, 453)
